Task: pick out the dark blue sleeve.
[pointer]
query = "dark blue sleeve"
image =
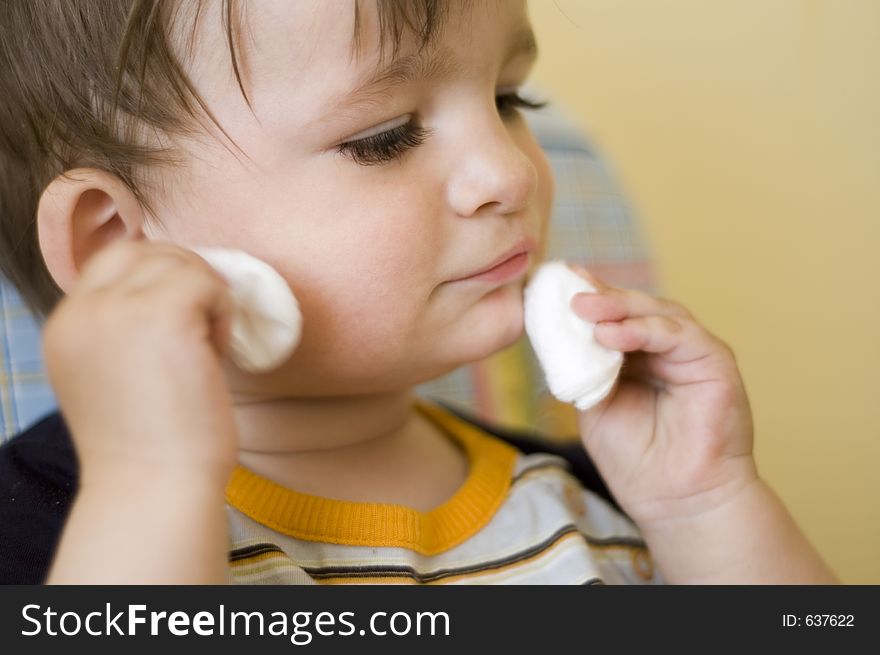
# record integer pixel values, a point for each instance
(38, 481)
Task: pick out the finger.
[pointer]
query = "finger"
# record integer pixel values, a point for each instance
(221, 319)
(147, 270)
(159, 257)
(107, 265)
(196, 295)
(112, 263)
(677, 340)
(588, 276)
(613, 304)
(637, 302)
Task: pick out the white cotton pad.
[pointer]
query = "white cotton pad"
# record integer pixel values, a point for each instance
(267, 325)
(578, 369)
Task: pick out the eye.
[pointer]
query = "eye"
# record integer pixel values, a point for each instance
(508, 103)
(385, 146)
(393, 144)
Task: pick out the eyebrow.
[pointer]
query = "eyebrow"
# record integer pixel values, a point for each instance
(439, 66)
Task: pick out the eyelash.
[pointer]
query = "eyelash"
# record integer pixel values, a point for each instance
(393, 144)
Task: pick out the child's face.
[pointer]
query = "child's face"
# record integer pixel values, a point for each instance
(368, 250)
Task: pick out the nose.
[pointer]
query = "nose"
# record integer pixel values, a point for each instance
(491, 172)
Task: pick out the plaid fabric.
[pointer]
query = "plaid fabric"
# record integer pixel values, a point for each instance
(591, 224)
(25, 394)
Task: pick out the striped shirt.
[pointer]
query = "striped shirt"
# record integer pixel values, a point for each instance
(517, 519)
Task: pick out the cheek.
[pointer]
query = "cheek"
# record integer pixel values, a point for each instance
(543, 198)
(544, 195)
(366, 284)
(545, 184)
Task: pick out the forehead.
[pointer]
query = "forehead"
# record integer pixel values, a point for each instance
(282, 41)
(314, 27)
(297, 59)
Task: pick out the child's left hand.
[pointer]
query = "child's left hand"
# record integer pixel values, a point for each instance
(673, 438)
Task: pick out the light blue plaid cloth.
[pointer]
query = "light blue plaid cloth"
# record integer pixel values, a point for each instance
(591, 223)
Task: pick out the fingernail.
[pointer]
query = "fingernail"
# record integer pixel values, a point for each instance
(583, 272)
(579, 300)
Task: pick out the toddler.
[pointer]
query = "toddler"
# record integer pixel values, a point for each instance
(374, 153)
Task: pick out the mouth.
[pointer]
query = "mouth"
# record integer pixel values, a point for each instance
(508, 267)
(507, 270)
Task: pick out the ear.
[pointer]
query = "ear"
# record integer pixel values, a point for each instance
(80, 212)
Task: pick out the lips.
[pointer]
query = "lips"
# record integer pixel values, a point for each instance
(524, 245)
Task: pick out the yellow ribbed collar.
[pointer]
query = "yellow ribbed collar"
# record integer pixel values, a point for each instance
(315, 518)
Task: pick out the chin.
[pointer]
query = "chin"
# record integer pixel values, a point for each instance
(494, 323)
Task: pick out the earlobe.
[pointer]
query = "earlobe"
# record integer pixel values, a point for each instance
(80, 212)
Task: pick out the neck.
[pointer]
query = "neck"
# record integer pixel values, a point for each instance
(300, 428)
(364, 448)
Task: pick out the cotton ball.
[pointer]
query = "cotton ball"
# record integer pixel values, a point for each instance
(578, 369)
(267, 324)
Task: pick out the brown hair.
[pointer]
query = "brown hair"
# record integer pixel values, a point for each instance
(83, 83)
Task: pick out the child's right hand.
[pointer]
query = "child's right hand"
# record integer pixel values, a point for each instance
(133, 353)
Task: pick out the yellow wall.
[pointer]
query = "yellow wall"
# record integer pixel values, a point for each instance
(747, 135)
